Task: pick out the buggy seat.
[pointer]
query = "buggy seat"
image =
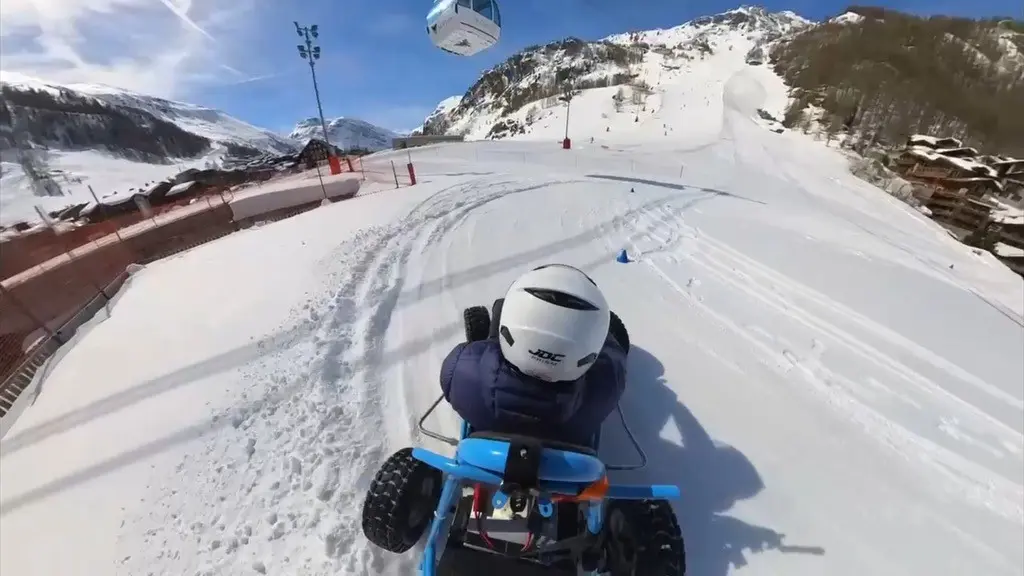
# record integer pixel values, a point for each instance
(527, 460)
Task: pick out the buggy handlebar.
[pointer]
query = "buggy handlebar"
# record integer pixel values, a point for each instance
(455, 442)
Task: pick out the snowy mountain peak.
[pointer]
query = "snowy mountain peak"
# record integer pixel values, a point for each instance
(345, 133)
(751, 20)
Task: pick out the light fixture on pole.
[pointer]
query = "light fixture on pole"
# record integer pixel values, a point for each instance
(311, 53)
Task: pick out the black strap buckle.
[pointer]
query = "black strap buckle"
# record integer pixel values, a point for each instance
(522, 468)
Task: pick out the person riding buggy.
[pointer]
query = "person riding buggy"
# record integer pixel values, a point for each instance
(526, 493)
(550, 366)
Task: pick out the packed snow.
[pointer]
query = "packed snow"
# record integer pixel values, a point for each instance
(835, 383)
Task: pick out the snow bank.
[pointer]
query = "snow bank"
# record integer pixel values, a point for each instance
(286, 194)
(187, 354)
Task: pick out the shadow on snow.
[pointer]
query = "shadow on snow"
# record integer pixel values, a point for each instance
(712, 476)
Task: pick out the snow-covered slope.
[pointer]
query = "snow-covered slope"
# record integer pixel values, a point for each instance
(209, 123)
(345, 133)
(635, 77)
(112, 139)
(442, 109)
(831, 394)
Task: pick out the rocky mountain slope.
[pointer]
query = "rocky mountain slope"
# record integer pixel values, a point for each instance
(443, 108)
(878, 76)
(639, 61)
(345, 133)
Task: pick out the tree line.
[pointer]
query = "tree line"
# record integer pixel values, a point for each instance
(892, 75)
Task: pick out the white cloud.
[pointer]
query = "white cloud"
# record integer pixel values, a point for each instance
(158, 47)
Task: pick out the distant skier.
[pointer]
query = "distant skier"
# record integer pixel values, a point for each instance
(550, 369)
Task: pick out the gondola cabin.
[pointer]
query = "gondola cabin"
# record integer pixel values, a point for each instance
(464, 27)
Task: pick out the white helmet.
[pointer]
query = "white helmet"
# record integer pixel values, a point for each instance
(553, 323)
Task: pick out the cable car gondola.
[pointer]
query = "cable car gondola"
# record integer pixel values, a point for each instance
(464, 27)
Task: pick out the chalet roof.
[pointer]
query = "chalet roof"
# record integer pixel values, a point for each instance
(317, 142)
(995, 183)
(958, 152)
(181, 188)
(962, 163)
(1008, 161)
(1008, 215)
(1006, 251)
(933, 141)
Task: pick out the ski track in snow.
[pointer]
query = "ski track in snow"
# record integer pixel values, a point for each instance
(320, 430)
(675, 241)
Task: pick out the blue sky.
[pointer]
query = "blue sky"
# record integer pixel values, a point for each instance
(378, 64)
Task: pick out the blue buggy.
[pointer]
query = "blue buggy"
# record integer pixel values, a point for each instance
(512, 505)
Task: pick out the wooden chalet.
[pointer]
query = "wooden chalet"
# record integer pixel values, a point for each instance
(316, 151)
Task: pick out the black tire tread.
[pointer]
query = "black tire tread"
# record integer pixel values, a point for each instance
(477, 321)
(662, 551)
(390, 499)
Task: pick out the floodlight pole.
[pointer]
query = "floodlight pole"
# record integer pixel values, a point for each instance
(568, 105)
(311, 53)
(568, 93)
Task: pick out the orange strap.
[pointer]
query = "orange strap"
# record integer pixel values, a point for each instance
(596, 491)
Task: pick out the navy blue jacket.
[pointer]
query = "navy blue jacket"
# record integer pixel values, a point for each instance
(492, 395)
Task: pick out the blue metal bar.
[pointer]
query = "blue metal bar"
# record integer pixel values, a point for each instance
(448, 495)
(555, 465)
(448, 466)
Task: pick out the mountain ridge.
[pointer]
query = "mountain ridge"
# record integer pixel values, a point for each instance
(344, 132)
(29, 102)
